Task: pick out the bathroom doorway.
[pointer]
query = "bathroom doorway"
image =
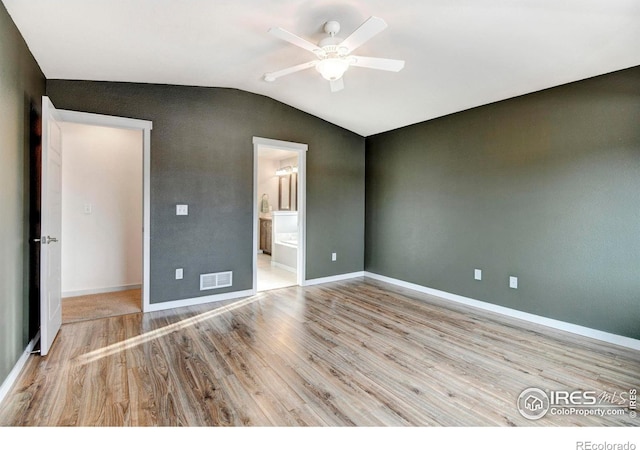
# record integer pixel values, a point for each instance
(279, 194)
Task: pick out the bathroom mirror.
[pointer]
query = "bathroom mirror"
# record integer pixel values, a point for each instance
(284, 193)
(294, 192)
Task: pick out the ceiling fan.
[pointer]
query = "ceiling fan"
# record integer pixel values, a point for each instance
(333, 55)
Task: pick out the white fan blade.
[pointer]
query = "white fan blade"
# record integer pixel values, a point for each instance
(296, 40)
(336, 85)
(271, 76)
(392, 65)
(372, 26)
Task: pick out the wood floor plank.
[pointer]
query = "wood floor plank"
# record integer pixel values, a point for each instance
(352, 353)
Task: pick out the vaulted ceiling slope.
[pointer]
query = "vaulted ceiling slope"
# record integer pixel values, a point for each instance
(459, 54)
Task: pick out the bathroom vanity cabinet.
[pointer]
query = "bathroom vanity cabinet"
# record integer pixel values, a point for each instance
(265, 235)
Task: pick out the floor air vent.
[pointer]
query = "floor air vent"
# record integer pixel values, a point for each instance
(215, 280)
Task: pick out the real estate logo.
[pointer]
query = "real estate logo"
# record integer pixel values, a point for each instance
(533, 403)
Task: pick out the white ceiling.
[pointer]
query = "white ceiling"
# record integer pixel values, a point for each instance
(459, 53)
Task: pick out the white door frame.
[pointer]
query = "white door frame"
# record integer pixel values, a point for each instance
(130, 124)
(259, 144)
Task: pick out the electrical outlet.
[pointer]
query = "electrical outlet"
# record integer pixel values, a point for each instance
(334, 256)
(513, 282)
(182, 210)
(179, 274)
(477, 274)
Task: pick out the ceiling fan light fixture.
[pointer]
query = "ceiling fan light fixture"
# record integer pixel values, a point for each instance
(332, 69)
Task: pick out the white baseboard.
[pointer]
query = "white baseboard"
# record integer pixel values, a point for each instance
(342, 277)
(198, 300)
(604, 336)
(17, 368)
(105, 290)
(283, 267)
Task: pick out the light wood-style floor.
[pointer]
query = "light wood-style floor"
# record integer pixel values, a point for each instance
(353, 353)
(97, 306)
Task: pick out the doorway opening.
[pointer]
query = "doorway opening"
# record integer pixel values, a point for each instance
(47, 210)
(279, 214)
(102, 211)
(95, 217)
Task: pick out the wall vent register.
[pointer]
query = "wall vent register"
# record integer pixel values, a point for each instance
(215, 280)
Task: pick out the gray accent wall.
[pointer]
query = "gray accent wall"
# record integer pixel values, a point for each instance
(22, 85)
(202, 155)
(545, 187)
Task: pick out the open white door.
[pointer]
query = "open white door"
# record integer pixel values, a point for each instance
(51, 226)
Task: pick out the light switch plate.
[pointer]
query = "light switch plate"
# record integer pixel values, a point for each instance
(477, 274)
(182, 210)
(334, 256)
(179, 274)
(513, 282)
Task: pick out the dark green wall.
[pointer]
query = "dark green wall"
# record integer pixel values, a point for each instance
(202, 155)
(545, 187)
(22, 85)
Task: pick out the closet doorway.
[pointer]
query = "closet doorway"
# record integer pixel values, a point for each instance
(102, 216)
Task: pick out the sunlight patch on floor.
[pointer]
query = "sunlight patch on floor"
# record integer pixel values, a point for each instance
(155, 334)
